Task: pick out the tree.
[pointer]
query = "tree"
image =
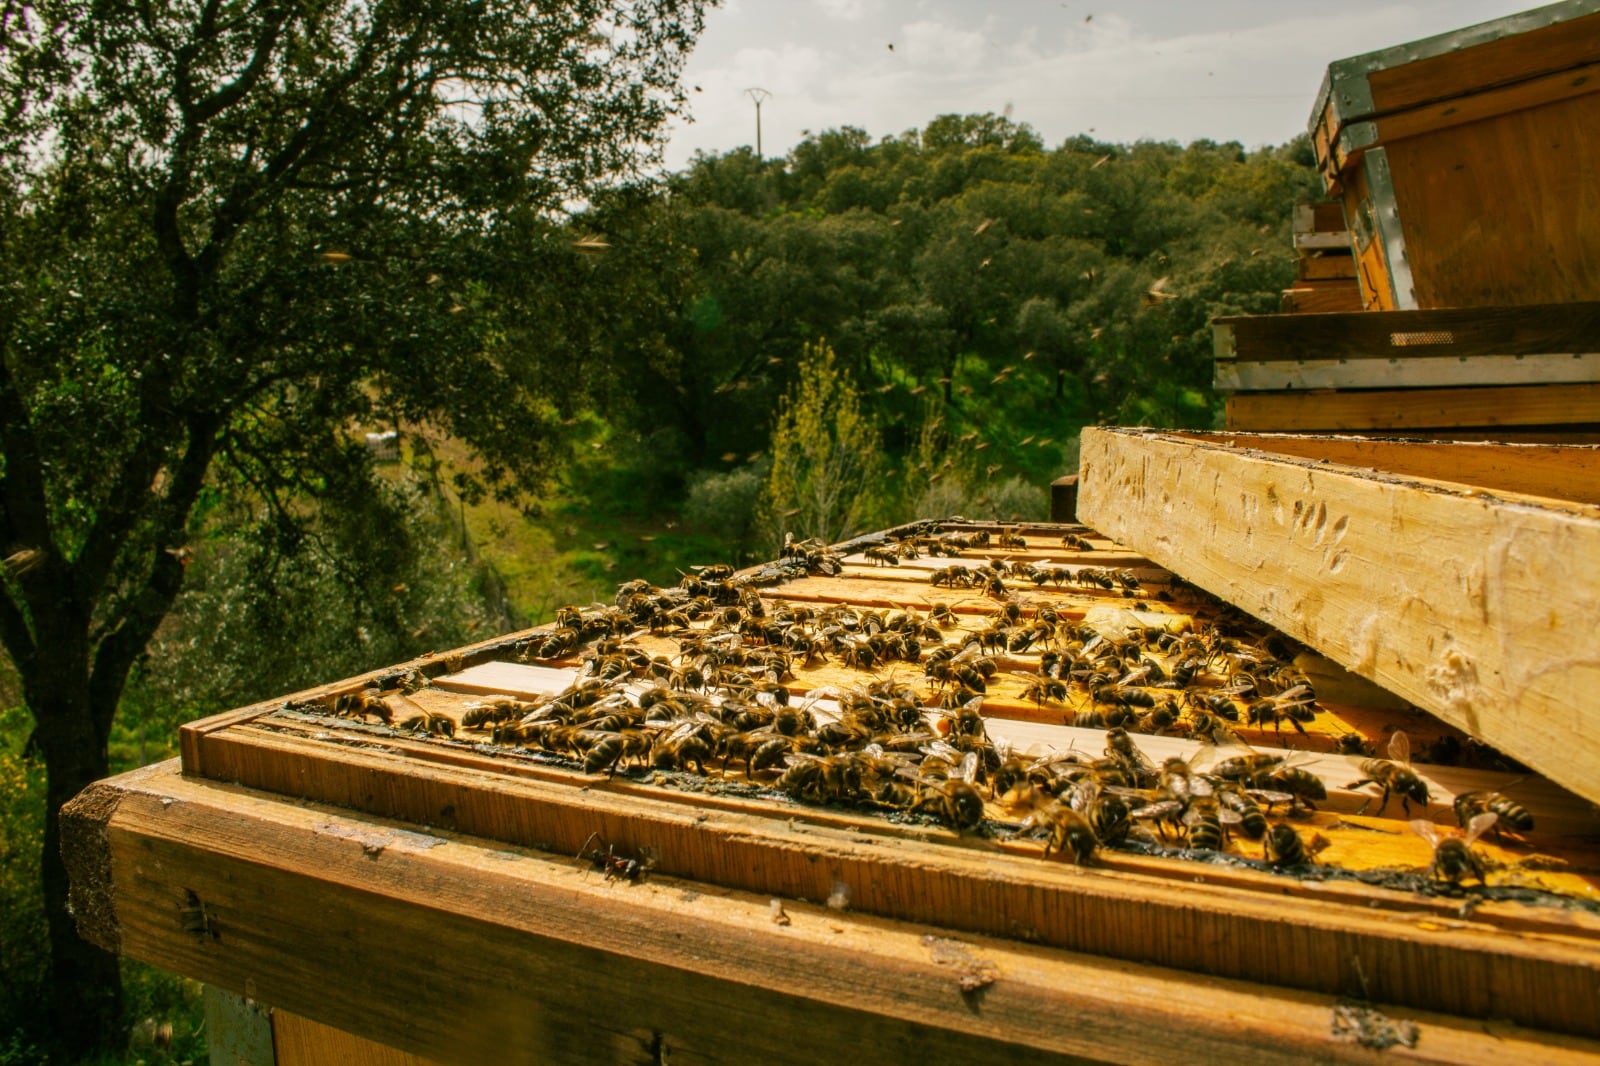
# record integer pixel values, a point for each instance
(232, 232)
(825, 455)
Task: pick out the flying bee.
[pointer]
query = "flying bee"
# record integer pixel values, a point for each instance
(431, 722)
(1284, 847)
(1453, 857)
(1394, 774)
(1509, 813)
(1180, 782)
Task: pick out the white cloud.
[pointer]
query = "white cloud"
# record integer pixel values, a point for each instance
(1245, 70)
(842, 10)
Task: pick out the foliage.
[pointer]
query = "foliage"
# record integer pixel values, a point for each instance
(231, 235)
(725, 503)
(824, 456)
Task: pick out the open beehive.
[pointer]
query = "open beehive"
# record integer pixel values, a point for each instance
(921, 727)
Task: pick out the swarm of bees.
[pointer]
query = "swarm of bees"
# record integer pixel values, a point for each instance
(721, 707)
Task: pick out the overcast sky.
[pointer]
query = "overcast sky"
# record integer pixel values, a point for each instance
(1121, 70)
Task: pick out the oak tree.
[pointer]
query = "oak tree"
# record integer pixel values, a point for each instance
(232, 232)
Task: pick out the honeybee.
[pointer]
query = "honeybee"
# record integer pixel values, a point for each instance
(821, 779)
(1394, 774)
(1120, 746)
(1122, 696)
(1069, 832)
(1453, 857)
(1284, 847)
(685, 745)
(611, 749)
(1252, 823)
(1288, 782)
(881, 555)
(1203, 828)
(954, 801)
(487, 715)
(1109, 816)
(1293, 706)
(431, 722)
(1353, 744)
(1510, 814)
(1072, 540)
(1010, 538)
(361, 704)
(1041, 689)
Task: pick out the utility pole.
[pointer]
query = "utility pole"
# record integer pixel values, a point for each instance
(760, 96)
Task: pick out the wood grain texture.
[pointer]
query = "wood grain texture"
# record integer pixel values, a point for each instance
(1399, 372)
(1465, 71)
(1503, 211)
(298, 1041)
(460, 951)
(1562, 472)
(1544, 329)
(1321, 297)
(1332, 266)
(1481, 610)
(1406, 409)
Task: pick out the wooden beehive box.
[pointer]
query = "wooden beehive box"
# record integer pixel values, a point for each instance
(1367, 918)
(1466, 162)
(1505, 372)
(1325, 269)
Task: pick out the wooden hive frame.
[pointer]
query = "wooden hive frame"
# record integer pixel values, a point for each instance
(1533, 964)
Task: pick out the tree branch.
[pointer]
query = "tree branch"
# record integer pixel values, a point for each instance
(125, 641)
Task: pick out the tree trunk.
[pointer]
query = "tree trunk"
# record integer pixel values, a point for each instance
(85, 983)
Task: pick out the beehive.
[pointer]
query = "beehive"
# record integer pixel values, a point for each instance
(1466, 162)
(1366, 918)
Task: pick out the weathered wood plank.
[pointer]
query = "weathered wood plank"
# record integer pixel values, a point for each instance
(1566, 472)
(1428, 371)
(1535, 330)
(1406, 409)
(1480, 610)
(298, 1041)
(459, 951)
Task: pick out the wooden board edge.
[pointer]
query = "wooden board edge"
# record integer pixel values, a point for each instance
(1486, 687)
(673, 961)
(1394, 372)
